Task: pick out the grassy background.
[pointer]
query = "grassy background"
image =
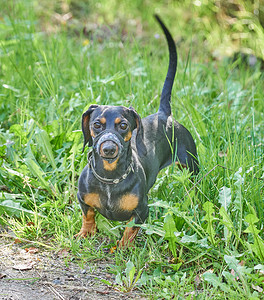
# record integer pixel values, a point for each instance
(59, 57)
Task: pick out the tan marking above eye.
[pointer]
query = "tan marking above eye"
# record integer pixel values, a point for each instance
(93, 200)
(117, 120)
(128, 202)
(103, 120)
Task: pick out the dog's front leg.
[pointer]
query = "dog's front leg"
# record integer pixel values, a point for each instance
(128, 237)
(130, 233)
(88, 224)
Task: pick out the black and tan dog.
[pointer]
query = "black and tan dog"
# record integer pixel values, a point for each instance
(127, 154)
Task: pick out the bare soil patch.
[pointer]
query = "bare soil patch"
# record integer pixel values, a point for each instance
(32, 273)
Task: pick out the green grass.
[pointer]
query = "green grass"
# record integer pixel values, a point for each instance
(207, 243)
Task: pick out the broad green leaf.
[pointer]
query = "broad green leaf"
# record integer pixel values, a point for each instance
(231, 261)
(16, 129)
(225, 197)
(231, 280)
(130, 272)
(258, 246)
(212, 279)
(239, 179)
(118, 279)
(170, 229)
(215, 281)
(226, 220)
(138, 276)
(109, 283)
(251, 219)
(228, 224)
(209, 209)
(38, 172)
(44, 142)
(189, 239)
(153, 229)
(160, 203)
(14, 207)
(19, 132)
(202, 150)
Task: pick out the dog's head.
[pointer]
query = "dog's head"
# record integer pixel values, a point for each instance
(109, 129)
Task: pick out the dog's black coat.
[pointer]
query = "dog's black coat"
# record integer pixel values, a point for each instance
(128, 153)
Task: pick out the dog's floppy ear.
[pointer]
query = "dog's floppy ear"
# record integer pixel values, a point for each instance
(141, 148)
(85, 126)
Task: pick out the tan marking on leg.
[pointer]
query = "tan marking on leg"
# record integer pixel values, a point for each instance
(92, 199)
(128, 237)
(128, 202)
(128, 136)
(110, 167)
(88, 225)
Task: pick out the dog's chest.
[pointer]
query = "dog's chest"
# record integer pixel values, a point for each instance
(112, 203)
(108, 202)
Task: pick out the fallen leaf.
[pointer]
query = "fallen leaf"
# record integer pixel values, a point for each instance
(113, 249)
(208, 271)
(17, 241)
(197, 279)
(234, 273)
(172, 261)
(242, 263)
(222, 154)
(23, 267)
(32, 250)
(102, 292)
(63, 253)
(30, 224)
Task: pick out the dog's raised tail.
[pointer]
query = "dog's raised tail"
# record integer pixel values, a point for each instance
(165, 106)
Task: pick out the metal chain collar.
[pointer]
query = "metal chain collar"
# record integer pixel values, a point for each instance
(109, 180)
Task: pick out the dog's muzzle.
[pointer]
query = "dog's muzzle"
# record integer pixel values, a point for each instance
(109, 145)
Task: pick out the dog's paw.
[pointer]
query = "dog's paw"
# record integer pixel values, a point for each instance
(86, 231)
(128, 237)
(81, 234)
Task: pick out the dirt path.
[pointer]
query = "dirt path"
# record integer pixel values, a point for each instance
(34, 274)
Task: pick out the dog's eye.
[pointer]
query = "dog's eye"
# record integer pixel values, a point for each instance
(123, 126)
(97, 125)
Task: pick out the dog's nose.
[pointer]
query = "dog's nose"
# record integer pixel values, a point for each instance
(109, 149)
